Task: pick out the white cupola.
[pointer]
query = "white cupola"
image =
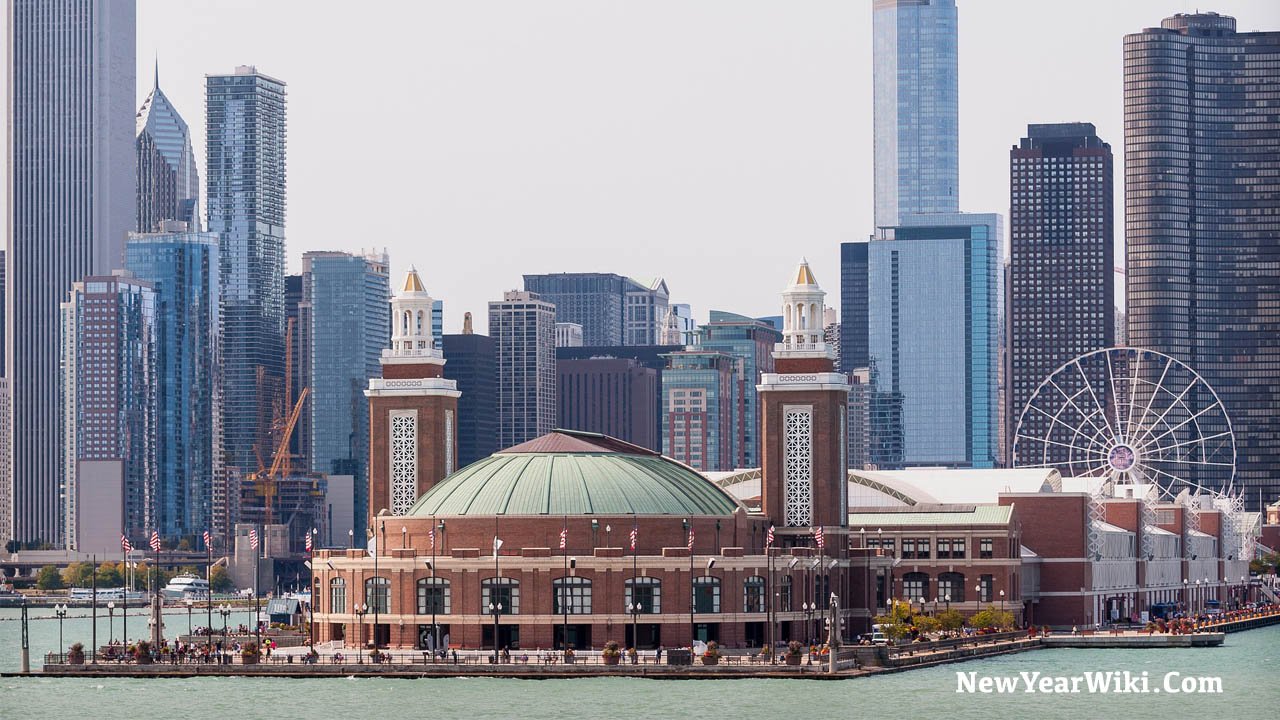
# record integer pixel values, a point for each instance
(411, 318)
(802, 310)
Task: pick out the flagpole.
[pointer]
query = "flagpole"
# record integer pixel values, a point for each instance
(94, 612)
(564, 584)
(635, 604)
(208, 577)
(257, 612)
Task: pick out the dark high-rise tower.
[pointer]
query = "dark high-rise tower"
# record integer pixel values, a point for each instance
(471, 361)
(853, 306)
(245, 138)
(1202, 229)
(69, 201)
(1061, 294)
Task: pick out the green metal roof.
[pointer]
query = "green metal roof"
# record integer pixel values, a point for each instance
(943, 515)
(575, 483)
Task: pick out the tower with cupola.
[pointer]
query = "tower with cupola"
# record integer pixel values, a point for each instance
(413, 409)
(803, 416)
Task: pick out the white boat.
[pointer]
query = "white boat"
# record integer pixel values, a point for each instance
(187, 586)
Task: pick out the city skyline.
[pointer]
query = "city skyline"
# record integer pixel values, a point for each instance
(827, 46)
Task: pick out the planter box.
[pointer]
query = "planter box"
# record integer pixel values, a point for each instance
(794, 659)
(248, 659)
(614, 660)
(710, 661)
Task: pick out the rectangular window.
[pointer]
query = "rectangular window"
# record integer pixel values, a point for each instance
(985, 548)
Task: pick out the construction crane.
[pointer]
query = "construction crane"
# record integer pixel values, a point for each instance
(265, 482)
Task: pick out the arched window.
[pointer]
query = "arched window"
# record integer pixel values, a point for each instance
(753, 594)
(377, 594)
(419, 330)
(706, 594)
(405, 325)
(644, 591)
(784, 594)
(573, 594)
(500, 591)
(915, 586)
(951, 587)
(433, 596)
(338, 595)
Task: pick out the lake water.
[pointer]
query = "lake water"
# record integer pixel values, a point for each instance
(1248, 664)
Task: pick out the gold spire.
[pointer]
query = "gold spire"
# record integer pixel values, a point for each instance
(804, 276)
(413, 283)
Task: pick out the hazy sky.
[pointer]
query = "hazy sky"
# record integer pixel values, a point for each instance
(712, 142)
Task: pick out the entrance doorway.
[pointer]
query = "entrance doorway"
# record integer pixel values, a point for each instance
(579, 637)
(706, 632)
(650, 636)
(439, 640)
(508, 637)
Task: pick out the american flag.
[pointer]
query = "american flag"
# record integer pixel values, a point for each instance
(253, 538)
(635, 533)
(768, 539)
(155, 541)
(690, 539)
(818, 537)
(208, 539)
(308, 545)
(125, 545)
(564, 537)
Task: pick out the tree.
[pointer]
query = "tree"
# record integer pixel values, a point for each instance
(927, 625)
(951, 620)
(78, 574)
(220, 580)
(110, 575)
(12, 546)
(49, 578)
(897, 624)
(184, 544)
(991, 618)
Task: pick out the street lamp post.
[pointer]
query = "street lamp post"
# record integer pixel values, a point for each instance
(361, 609)
(190, 604)
(634, 608)
(224, 610)
(1002, 601)
(111, 619)
(495, 609)
(61, 612)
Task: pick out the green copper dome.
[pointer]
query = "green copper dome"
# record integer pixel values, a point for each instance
(575, 473)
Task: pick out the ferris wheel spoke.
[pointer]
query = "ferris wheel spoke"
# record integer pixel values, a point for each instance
(1173, 428)
(1061, 444)
(1187, 462)
(1156, 391)
(1177, 402)
(1192, 441)
(1115, 397)
(1177, 480)
(1133, 383)
(1092, 394)
(1088, 417)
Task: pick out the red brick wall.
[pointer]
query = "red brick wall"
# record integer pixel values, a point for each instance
(1053, 525)
(412, 372)
(828, 476)
(431, 456)
(802, 365)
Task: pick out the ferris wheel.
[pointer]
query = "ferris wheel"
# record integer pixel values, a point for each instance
(1132, 416)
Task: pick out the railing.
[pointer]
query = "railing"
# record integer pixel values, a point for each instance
(953, 643)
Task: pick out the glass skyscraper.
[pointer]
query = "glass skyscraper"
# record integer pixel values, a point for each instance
(1202, 153)
(183, 268)
(349, 315)
(750, 342)
(935, 289)
(700, 408)
(612, 309)
(168, 180)
(916, 91)
(523, 328)
(245, 179)
(853, 306)
(69, 200)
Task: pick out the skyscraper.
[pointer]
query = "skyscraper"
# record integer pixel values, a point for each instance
(1201, 159)
(70, 203)
(523, 328)
(348, 322)
(612, 309)
(617, 397)
(182, 266)
(109, 413)
(916, 91)
(750, 342)
(1061, 295)
(935, 306)
(700, 395)
(471, 361)
(168, 180)
(853, 306)
(245, 180)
